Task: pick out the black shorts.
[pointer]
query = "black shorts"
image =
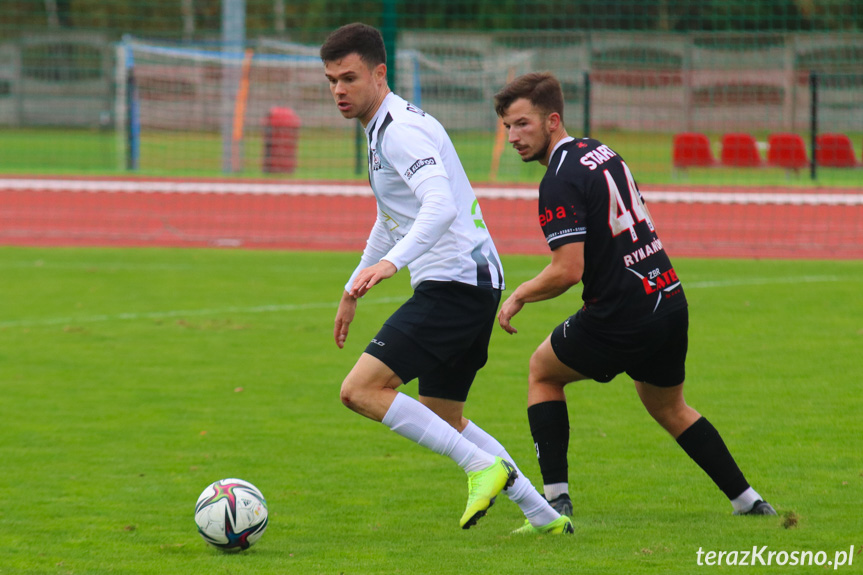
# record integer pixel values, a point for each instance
(440, 336)
(653, 353)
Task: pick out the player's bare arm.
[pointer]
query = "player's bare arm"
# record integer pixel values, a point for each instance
(344, 317)
(564, 271)
(371, 276)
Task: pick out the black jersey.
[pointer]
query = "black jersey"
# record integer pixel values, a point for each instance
(589, 195)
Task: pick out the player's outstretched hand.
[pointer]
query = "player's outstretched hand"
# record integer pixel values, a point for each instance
(344, 317)
(510, 307)
(371, 276)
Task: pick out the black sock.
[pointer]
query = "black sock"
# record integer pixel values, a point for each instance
(704, 445)
(549, 426)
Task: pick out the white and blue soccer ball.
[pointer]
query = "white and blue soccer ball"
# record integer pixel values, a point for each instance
(231, 514)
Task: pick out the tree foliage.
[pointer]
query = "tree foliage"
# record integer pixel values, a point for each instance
(309, 20)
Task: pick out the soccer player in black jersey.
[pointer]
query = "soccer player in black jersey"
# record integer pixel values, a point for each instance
(634, 318)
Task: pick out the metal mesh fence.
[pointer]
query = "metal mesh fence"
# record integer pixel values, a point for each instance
(652, 69)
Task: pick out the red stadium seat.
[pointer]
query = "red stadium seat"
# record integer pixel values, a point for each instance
(692, 149)
(787, 151)
(740, 150)
(834, 151)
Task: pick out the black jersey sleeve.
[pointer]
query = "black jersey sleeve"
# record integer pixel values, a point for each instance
(562, 213)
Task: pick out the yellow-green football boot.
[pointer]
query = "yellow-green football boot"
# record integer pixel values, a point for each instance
(560, 526)
(483, 486)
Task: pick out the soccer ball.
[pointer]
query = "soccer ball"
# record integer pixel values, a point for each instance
(231, 514)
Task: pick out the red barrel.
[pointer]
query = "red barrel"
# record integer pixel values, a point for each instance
(281, 134)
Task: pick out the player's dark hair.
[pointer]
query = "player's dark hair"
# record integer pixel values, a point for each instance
(541, 89)
(356, 38)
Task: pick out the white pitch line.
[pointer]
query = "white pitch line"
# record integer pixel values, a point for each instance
(760, 282)
(353, 189)
(122, 267)
(186, 313)
(334, 305)
(100, 266)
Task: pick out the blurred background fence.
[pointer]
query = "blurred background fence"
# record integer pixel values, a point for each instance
(652, 69)
(692, 93)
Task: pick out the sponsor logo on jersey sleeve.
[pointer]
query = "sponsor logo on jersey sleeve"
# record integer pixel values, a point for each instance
(559, 213)
(417, 166)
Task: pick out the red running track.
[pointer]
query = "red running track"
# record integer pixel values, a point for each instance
(698, 222)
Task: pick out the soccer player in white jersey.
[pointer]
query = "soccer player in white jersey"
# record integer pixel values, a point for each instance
(429, 221)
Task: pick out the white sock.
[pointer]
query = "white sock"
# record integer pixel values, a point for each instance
(413, 420)
(523, 493)
(554, 490)
(744, 502)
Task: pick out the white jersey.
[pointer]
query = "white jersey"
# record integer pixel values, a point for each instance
(428, 216)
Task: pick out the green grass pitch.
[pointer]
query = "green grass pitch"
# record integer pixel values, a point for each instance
(133, 378)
